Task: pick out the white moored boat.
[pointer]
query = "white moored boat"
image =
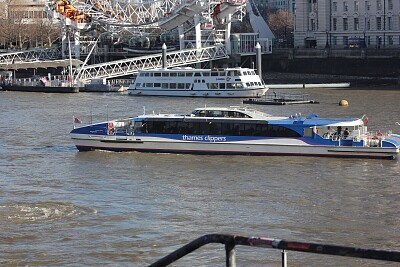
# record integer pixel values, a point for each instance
(240, 131)
(229, 82)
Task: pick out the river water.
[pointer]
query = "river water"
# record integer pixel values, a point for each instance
(61, 207)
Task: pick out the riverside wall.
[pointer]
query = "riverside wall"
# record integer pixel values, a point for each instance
(358, 66)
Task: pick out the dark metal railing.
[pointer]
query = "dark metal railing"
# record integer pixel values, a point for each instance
(231, 241)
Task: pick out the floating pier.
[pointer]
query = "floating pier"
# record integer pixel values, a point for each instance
(281, 99)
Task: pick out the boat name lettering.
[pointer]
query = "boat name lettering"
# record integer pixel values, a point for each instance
(220, 79)
(207, 138)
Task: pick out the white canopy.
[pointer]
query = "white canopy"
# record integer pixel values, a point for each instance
(40, 64)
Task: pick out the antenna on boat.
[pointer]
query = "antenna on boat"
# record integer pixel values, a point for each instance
(107, 111)
(144, 110)
(70, 78)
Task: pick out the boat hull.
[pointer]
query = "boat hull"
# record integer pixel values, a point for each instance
(43, 89)
(283, 147)
(254, 93)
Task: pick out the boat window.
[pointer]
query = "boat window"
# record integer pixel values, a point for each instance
(214, 113)
(181, 86)
(157, 84)
(149, 85)
(137, 85)
(157, 74)
(222, 86)
(203, 81)
(164, 85)
(237, 73)
(230, 85)
(201, 113)
(227, 128)
(181, 74)
(137, 128)
(187, 85)
(173, 74)
(197, 74)
(253, 72)
(214, 73)
(222, 73)
(212, 86)
(172, 86)
(231, 73)
(165, 74)
(239, 85)
(189, 74)
(206, 74)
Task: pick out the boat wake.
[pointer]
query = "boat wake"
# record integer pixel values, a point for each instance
(39, 212)
(55, 148)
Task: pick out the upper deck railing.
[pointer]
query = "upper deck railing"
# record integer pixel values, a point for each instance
(231, 241)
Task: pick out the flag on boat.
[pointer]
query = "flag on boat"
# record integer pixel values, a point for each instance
(43, 80)
(77, 120)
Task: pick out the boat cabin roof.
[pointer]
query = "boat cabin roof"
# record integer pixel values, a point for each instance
(189, 69)
(237, 112)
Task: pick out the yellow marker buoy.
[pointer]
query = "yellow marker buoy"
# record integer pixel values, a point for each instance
(343, 103)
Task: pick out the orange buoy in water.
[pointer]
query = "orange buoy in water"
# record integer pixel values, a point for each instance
(343, 103)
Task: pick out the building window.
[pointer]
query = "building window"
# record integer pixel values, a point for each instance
(367, 5)
(378, 4)
(345, 41)
(345, 24)
(390, 23)
(345, 6)
(368, 40)
(390, 4)
(356, 24)
(334, 6)
(334, 24)
(356, 6)
(379, 23)
(312, 22)
(334, 40)
(378, 41)
(368, 24)
(390, 40)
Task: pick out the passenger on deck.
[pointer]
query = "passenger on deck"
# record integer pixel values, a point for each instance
(346, 133)
(338, 133)
(328, 133)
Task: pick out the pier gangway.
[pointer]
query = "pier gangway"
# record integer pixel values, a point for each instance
(48, 53)
(231, 241)
(131, 66)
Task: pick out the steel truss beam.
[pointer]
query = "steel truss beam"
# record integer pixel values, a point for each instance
(31, 55)
(133, 65)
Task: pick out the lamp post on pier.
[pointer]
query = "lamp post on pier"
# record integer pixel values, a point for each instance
(327, 39)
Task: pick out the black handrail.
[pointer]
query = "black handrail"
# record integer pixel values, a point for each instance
(230, 241)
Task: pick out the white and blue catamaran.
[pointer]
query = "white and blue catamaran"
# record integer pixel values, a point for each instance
(238, 131)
